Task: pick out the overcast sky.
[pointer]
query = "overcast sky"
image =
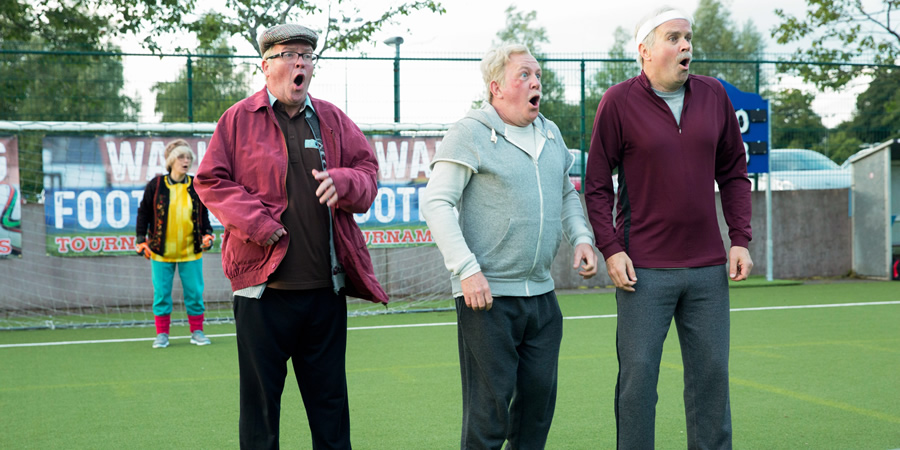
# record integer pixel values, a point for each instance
(573, 26)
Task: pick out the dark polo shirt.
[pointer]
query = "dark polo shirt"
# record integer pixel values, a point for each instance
(307, 264)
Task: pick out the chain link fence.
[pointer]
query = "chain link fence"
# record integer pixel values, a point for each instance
(42, 85)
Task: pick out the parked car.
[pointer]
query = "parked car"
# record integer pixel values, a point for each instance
(794, 168)
(846, 164)
(575, 171)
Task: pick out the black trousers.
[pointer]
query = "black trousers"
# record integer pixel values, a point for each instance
(310, 329)
(508, 361)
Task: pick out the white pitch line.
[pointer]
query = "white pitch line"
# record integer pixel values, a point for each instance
(769, 308)
(411, 325)
(440, 324)
(832, 305)
(604, 316)
(103, 341)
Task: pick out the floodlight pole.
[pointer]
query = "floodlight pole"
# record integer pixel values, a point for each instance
(396, 41)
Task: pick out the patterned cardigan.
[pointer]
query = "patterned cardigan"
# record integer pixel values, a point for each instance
(154, 210)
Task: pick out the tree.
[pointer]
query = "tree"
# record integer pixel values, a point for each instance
(337, 30)
(614, 72)
(155, 19)
(840, 31)
(87, 22)
(841, 144)
(877, 116)
(794, 123)
(75, 86)
(216, 82)
(716, 37)
(518, 30)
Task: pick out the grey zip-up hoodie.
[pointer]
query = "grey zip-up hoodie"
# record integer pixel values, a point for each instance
(513, 211)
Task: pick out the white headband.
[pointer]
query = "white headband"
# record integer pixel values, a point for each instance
(656, 21)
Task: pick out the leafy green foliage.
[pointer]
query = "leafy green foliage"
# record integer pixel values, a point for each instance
(519, 30)
(616, 71)
(76, 86)
(877, 117)
(216, 82)
(845, 31)
(717, 37)
(841, 143)
(794, 123)
(840, 31)
(339, 30)
(75, 21)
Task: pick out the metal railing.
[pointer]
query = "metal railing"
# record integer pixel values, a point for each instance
(38, 85)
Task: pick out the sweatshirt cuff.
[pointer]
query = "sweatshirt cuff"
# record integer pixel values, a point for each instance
(469, 267)
(610, 250)
(740, 241)
(584, 240)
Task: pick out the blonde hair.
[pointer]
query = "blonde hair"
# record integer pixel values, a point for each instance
(175, 149)
(493, 65)
(650, 40)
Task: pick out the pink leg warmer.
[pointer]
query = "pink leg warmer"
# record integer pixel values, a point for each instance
(196, 322)
(162, 324)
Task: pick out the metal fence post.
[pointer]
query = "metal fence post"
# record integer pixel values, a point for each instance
(583, 128)
(396, 41)
(190, 89)
(757, 77)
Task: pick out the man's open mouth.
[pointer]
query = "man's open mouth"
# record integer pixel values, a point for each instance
(298, 80)
(535, 100)
(686, 62)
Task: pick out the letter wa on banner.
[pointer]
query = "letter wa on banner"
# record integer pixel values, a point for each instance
(94, 185)
(10, 198)
(404, 166)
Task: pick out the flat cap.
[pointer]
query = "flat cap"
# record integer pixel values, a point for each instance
(287, 32)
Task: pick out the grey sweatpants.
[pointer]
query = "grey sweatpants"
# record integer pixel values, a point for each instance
(508, 359)
(697, 299)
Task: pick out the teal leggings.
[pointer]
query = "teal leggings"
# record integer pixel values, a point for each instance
(191, 274)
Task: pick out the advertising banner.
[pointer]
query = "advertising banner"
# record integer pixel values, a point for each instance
(394, 220)
(93, 186)
(10, 198)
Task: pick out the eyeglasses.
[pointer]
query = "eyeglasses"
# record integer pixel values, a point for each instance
(291, 57)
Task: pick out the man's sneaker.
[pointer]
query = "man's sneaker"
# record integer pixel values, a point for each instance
(199, 338)
(162, 340)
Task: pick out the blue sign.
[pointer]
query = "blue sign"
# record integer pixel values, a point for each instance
(753, 116)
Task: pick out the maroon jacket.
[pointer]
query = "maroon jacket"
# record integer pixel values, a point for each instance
(241, 180)
(666, 210)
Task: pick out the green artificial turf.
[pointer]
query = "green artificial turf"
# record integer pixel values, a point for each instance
(800, 378)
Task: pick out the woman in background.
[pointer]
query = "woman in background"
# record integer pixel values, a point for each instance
(172, 231)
